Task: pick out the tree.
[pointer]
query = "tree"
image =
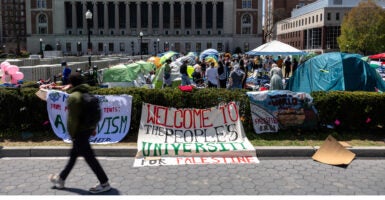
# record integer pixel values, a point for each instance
(362, 29)
(271, 21)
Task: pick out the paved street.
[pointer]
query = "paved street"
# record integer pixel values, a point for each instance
(28, 176)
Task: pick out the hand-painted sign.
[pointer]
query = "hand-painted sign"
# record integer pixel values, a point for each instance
(172, 136)
(113, 127)
(272, 110)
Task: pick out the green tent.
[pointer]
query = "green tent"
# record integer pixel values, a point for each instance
(127, 74)
(335, 71)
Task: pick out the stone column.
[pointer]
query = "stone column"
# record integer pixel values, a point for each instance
(105, 18)
(204, 32)
(85, 30)
(74, 24)
(161, 31)
(127, 17)
(182, 24)
(138, 19)
(95, 18)
(149, 25)
(117, 32)
(193, 17)
(172, 15)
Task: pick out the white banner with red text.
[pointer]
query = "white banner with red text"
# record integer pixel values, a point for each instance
(112, 128)
(179, 136)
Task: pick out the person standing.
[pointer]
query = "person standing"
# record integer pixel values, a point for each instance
(222, 75)
(236, 78)
(66, 73)
(80, 134)
(295, 65)
(276, 78)
(183, 72)
(167, 74)
(287, 67)
(212, 76)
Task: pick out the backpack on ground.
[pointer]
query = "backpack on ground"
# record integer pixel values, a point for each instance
(92, 112)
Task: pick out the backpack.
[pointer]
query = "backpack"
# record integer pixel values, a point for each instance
(92, 112)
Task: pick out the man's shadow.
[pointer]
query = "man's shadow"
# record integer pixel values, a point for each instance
(113, 191)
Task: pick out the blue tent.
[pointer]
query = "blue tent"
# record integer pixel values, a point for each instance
(335, 71)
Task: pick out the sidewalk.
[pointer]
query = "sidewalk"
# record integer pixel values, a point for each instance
(123, 151)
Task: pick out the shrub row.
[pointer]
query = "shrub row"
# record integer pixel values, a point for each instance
(22, 110)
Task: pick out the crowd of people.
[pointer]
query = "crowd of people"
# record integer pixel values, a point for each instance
(232, 72)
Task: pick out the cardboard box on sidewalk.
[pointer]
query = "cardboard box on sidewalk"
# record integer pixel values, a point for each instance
(333, 152)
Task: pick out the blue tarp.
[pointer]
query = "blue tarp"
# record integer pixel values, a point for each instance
(335, 71)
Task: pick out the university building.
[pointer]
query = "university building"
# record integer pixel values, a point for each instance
(315, 27)
(277, 10)
(123, 26)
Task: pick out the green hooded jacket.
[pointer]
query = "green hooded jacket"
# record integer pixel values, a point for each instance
(75, 110)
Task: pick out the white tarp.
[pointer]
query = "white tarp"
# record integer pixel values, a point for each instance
(275, 48)
(176, 136)
(113, 127)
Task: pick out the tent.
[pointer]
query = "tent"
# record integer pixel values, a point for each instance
(377, 56)
(127, 75)
(275, 48)
(335, 71)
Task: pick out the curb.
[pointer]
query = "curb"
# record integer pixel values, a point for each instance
(121, 151)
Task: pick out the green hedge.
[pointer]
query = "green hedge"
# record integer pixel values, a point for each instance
(22, 110)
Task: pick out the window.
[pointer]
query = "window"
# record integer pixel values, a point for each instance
(337, 16)
(246, 4)
(246, 24)
(68, 47)
(337, 2)
(329, 16)
(198, 47)
(209, 45)
(220, 46)
(41, 3)
(42, 25)
(111, 47)
(122, 47)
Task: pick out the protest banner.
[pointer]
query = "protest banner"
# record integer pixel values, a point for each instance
(272, 110)
(113, 126)
(175, 136)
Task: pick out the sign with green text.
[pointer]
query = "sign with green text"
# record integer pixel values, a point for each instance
(113, 127)
(175, 136)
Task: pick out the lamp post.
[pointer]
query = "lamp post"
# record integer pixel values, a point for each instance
(157, 41)
(41, 48)
(141, 44)
(89, 18)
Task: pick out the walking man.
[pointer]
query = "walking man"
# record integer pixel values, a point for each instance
(80, 133)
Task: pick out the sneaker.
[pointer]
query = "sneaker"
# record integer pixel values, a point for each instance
(100, 188)
(57, 181)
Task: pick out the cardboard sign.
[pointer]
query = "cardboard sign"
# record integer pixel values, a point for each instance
(333, 153)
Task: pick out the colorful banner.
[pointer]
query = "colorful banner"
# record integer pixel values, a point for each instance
(113, 127)
(175, 136)
(272, 110)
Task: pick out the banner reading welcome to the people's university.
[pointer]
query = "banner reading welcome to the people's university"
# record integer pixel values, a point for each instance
(272, 110)
(179, 136)
(113, 127)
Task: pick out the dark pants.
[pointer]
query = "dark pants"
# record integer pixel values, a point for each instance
(81, 147)
(222, 83)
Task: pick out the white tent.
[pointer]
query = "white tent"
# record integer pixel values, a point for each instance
(275, 47)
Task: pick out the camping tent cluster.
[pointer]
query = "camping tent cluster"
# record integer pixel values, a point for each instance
(335, 71)
(325, 72)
